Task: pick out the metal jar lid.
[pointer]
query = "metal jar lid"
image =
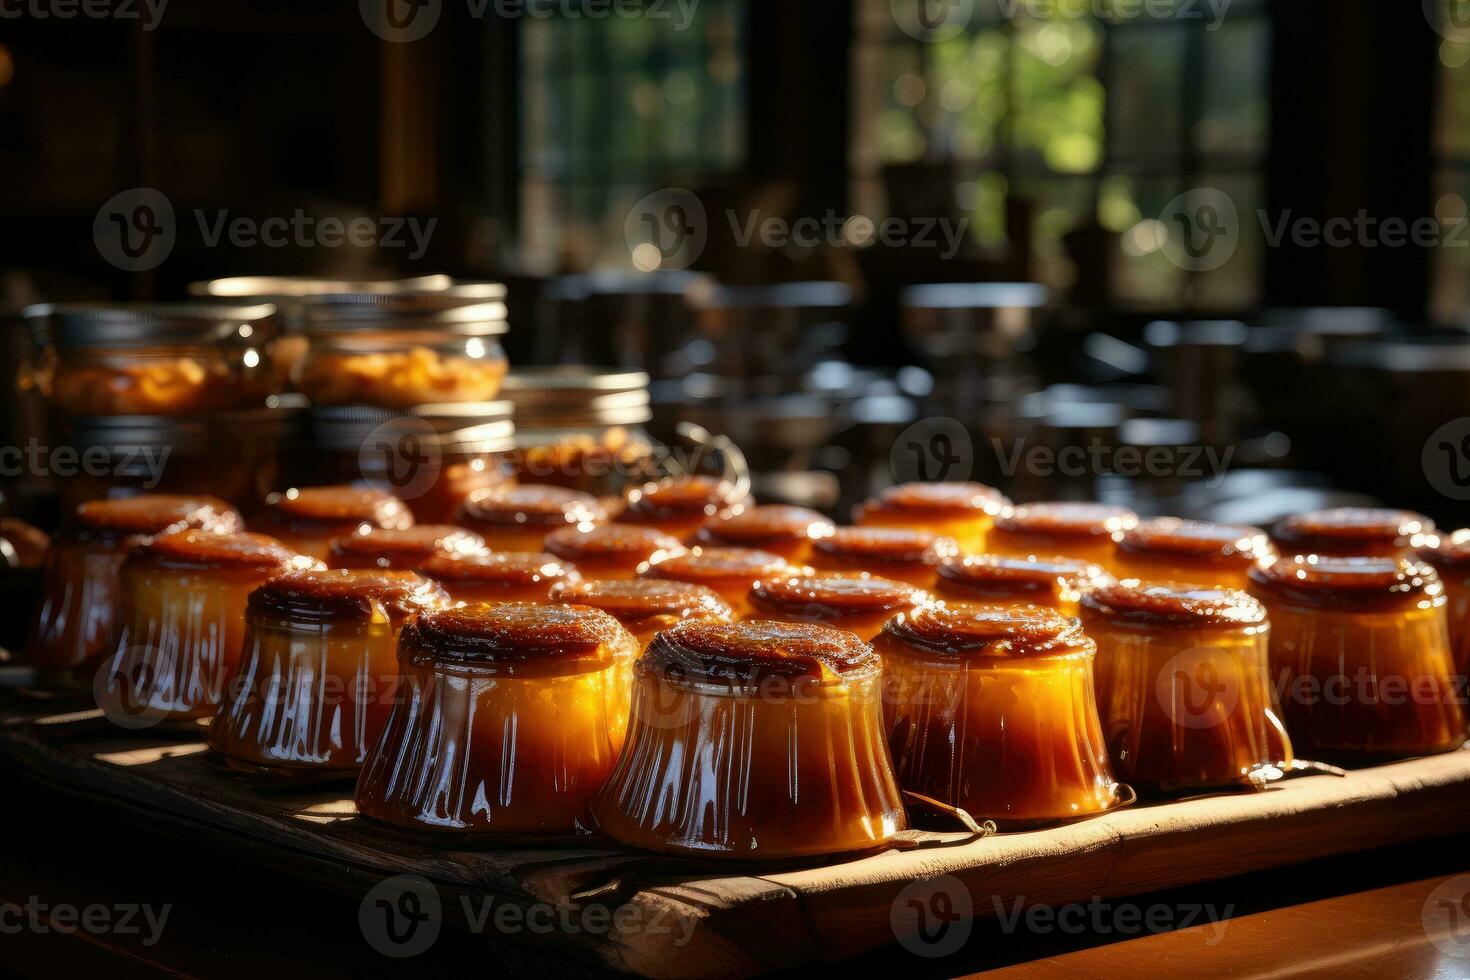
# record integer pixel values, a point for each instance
(69, 326)
(271, 288)
(469, 428)
(571, 396)
(473, 309)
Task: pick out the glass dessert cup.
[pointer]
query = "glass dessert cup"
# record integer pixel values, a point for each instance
(510, 720)
(77, 615)
(1214, 556)
(1183, 686)
(401, 369)
(1057, 583)
(499, 576)
(731, 572)
(518, 518)
(990, 708)
(961, 511)
(644, 606)
(779, 529)
(889, 552)
(754, 740)
(1074, 530)
(613, 551)
(308, 518)
(1354, 531)
(858, 603)
(319, 672)
(1361, 651)
(1450, 558)
(402, 549)
(680, 507)
(182, 622)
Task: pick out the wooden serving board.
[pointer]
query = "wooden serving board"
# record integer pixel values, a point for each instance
(691, 918)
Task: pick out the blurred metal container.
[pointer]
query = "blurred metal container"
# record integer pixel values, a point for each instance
(767, 337)
(630, 320)
(1200, 362)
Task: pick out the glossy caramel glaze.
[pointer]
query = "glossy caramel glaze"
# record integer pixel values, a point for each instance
(403, 549)
(337, 510)
(860, 603)
(891, 552)
(942, 497)
(1363, 584)
(729, 571)
(1065, 519)
(504, 575)
(694, 497)
(512, 638)
(967, 631)
(202, 549)
(613, 550)
(787, 531)
(1449, 555)
(1173, 604)
(156, 513)
(1198, 552)
(533, 504)
(1353, 531)
(366, 595)
(644, 606)
(1054, 581)
(752, 651)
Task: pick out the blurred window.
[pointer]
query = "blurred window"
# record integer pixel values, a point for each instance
(1450, 282)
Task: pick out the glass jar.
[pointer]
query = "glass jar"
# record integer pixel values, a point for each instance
(731, 572)
(644, 606)
(518, 518)
(782, 530)
(581, 427)
(401, 549)
(680, 507)
(400, 350)
(793, 714)
(990, 708)
(1449, 555)
(319, 673)
(164, 359)
(889, 552)
(613, 551)
(1216, 556)
(308, 518)
(77, 615)
(1057, 583)
(858, 603)
(1075, 530)
(499, 576)
(962, 511)
(511, 719)
(1183, 685)
(1361, 649)
(1353, 531)
(181, 622)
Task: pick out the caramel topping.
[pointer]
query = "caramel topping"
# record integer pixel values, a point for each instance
(1232, 543)
(632, 600)
(707, 564)
(830, 596)
(976, 630)
(156, 513)
(308, 508)
(957, 497)
(895, 545)
(315, 596)
(612, 541)
(1362, 584)
(499, 567)
(751, 651)
(1067, 519)
(772, 522)
(1343, 530)
(535, 505)
(505, 635)
(1448, 552)
(682, 498)
(404, 548)
(203, 549)
(1001, 577)
(1173, 604)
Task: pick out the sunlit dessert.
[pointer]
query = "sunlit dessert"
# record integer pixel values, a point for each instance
(613, 550)
(308, 518)
(1075, 530)
(499, 576)
(510, 720)
(1449, 555)
(1057, 583)
(403, 378)
(888, 552)
(1360, 649)
(1353, 531)
(319, 672)
(1167, 549)
(990, 708)
(402, 549)
(1183, 685)
(644, 606)
(961, 511)
(731, 572)
(682, 506)
(857, 602)
(779, 529)
(518, 518)
(754, 740)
